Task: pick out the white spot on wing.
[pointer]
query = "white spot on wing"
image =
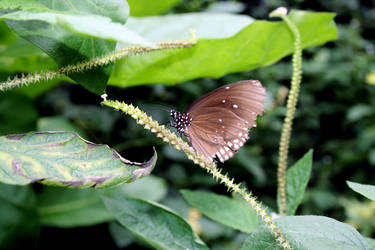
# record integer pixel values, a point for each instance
(227, 87)
(235, 106)
(220, 158)
(223, 101)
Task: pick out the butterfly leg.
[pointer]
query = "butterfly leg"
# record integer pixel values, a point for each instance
(188, 138)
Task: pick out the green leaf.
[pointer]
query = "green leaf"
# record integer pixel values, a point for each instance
(18, 55)
(87, 25)
(62, 207)
(371, 242)
(234, 213)
(58, 123)
(150, 7)
(297, 178)
(309, 232)
(150, 188)
(366, 190)
(259, 44)
(120, 235)
(7, 36)
(51, 32)
(21, 4)
(158, 226)
(161, 28)
(65, 159)
(21, 56)
(19, 225)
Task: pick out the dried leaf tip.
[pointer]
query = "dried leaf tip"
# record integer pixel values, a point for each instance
(104, 97)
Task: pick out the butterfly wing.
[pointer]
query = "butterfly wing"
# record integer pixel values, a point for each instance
(223, 117)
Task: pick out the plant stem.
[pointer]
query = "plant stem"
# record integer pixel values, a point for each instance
(168, 136)
(291, 109)
(93, 63)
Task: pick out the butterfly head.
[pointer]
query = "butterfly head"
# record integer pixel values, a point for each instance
(180, 120)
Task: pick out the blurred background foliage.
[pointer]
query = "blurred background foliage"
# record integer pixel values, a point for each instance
(336, 117)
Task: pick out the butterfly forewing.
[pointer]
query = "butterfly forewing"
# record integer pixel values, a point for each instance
(249, 93)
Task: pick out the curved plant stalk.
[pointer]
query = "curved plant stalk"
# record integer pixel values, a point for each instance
(166, 135)
(96, 62)
(291, 108)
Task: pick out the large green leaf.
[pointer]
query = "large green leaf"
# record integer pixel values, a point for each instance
(63, 207)
(259, 44)
(88, 25)
(158, 226)
(297, 178)
(233, 213)
(366, 190)
(19, 225)
(18, 55)
(150, 7)
(22, 4)
(65, 159)
(51, 32)
(309, 232)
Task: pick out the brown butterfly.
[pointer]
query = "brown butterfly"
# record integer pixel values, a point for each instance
(217, 124)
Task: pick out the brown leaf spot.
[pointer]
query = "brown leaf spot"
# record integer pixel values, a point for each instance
(18, 170)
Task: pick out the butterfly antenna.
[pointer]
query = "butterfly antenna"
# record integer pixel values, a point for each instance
(156, 106)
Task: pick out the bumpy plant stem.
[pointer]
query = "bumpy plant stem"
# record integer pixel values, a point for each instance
(166, 135)
(96, 62)
(291, 109)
